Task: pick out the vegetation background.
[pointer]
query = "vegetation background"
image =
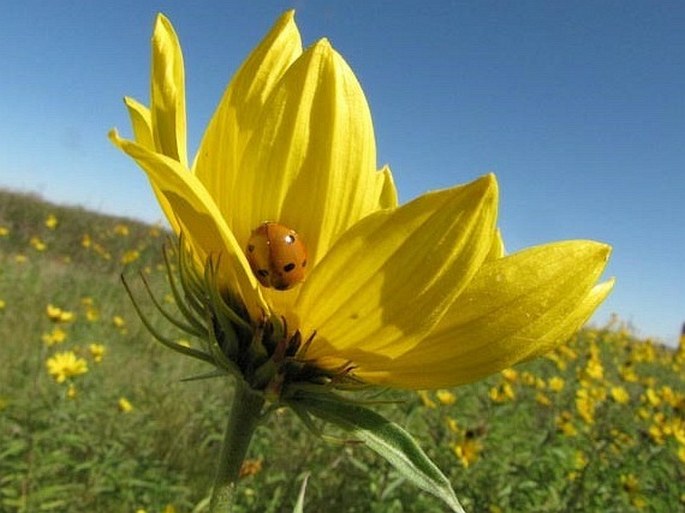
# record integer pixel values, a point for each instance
(598, 425)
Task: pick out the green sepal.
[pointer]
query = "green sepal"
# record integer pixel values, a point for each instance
(386, 438)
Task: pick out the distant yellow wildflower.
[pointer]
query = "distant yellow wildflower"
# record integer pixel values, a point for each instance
(121, 230)
(97, 352)
(130, 256)
(124, 405)
(37, 244)
(4, 231)
(620, 395)
(468, 451)
(66, 365)
(445, 397)
(118, 321)
(556, 384)
(2, 304)
(51, 221)
(56, 336)
(56, 314)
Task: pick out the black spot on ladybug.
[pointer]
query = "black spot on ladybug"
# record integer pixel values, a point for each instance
(250, 248)
(263, 273)
(289, 267)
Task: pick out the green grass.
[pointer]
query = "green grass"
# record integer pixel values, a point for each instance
(84, 454)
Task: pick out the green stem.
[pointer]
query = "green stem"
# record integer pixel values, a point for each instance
(242, 421)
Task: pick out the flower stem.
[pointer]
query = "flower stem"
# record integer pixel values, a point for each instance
(242, 421)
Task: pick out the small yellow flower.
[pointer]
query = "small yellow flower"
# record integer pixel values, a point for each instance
(86, 241)
(468, 451)
(118, 321)
(37, 244)
(130, 256)
(72, 391)
(2, 304)
(124, 405)
(66, 365)
(556, 384)
(56, 336)
(4, 231)
(510, 375)
(542, 399)
(121, 230)
(620, 395)
(445, 397)
(51, 221)
(97, 352)
(651, 397)
(426, 399)
(292, 142)
(20, 259)
(56, 314)
(502, 393)
(681, 453)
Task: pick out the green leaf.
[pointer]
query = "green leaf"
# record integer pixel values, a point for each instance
(386, 438)
(299, 506)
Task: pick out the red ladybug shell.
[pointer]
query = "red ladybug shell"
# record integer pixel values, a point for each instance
(277, 256)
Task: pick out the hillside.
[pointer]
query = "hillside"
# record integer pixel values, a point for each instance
(597, 425)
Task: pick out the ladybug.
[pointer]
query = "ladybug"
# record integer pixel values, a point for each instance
(277, 256)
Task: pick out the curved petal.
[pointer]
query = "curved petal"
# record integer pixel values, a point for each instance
(390, 278)
(388, 192)
(311, 163)
(515, 308)
(167, 95)
(216, 164)
(200, 220)
(141, 123)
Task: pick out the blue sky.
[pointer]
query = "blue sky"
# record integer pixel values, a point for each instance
(578, 107)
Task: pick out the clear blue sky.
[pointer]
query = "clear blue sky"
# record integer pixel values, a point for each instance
(578, 107)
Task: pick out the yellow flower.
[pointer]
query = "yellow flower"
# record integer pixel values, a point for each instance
(2, 304)
(4, 231)
(620, 395)
(121, 230)
(66, 365)
(124, 405)
(56, 314)
(56, 336)
(556, 384)
(468, 451)
(118, 321)
(72, 391)
(445, 397)
(97, 352)
(51, 221)
(37, 244)
(130, 256)
(426, 399)
(415, 296)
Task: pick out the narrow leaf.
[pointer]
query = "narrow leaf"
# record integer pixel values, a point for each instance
(386, 438)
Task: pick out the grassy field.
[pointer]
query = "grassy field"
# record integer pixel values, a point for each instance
(597, 426)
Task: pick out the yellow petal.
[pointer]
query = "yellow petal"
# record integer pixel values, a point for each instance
(515, 308)
(216, 164)
(388, 197)
(141, 123)
(390, 278)
(167, 96)
(497, 250)
(200, 221)
(311, 163)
